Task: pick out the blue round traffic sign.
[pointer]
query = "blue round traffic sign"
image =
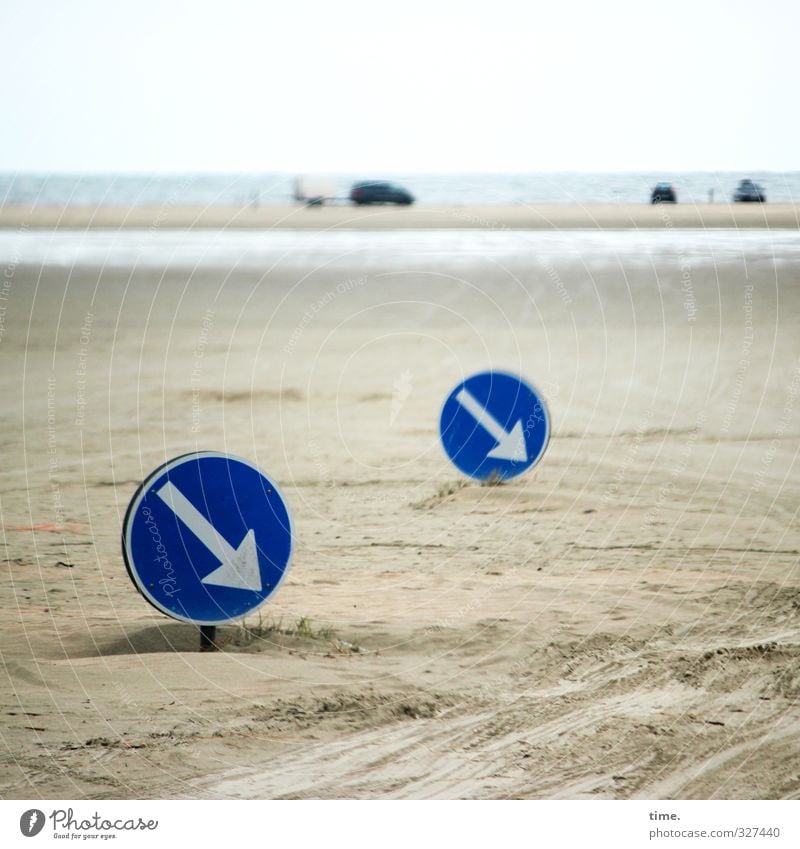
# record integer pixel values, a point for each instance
(207, 538)
(494, 425)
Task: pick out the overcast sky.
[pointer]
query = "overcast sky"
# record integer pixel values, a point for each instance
(153, 85)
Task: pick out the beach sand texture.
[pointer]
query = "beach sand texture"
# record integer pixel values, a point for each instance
(622, 622)
(554, 216)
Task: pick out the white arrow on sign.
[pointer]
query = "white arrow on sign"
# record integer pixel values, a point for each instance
(238, 567)
(510, 445)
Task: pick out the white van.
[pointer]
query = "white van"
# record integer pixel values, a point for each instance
(314, 189)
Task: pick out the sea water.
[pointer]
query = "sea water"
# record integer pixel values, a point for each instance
(439, 189)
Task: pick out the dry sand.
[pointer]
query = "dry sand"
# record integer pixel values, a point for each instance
(344, 217)
(622, 622)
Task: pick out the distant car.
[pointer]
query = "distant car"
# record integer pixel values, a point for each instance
(379, 192)
(664, 193)
(749, 192)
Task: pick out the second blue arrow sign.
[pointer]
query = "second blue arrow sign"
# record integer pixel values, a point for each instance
(494, 425)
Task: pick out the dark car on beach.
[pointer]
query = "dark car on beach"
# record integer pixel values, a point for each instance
(380, 192)
(664, 193)
(749, 192)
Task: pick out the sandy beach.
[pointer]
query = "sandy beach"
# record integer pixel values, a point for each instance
(622, 622)
(419, 217)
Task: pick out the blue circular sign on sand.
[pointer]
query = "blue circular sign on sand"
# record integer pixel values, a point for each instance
(494, 425)
(207, 538)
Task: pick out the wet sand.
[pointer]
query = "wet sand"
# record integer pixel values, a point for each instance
(622, 622)
(418, 217)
